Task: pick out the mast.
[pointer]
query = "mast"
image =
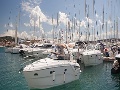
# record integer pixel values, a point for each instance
(53, 28)
(17, 21)
(66, 33)
(72, 29)
(117, 30)
(79, 29)
(39, 24)
(88, 24)
(85, 8)
(106, 32)
(103, 23)
(16, 34)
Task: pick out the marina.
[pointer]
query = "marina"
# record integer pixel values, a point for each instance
(92, 77)
(60, 45)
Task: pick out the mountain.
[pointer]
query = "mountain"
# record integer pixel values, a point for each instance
(7, 38)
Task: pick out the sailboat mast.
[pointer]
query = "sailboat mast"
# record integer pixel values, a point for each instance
(106, 32)
(79, 29)
(85, 8)
(88, 33)
(117, 29)
(34, 31)
(16, 34)
(17, 21)
(66, 33)
(103, 23)
(72, 28)
(53, 28)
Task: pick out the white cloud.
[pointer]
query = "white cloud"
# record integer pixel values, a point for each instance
(100, 22)
(9, 33)
(35, 14)
(26, 24)
(97, 15)
(119, 18)
(109, 22)
(63, 18)
(25, 35)
(26, 6)
(11, 25)
(5, 25)
(89, 20)
(83, 23)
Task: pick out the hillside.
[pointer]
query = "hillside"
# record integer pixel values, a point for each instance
(7, 38)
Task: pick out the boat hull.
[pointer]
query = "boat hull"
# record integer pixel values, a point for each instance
(50, 77)
(15, 50)
(91, 59)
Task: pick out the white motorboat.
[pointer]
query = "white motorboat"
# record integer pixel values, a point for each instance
(52, 71)
(8, 49)
(39, 51)
(91, 56)
(16, 49)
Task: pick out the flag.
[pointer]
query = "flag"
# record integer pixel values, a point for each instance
(75, 14)
(88, 24)
(74, 24)
(88, 33)
(52, 19)
(95, 12)
(96, 22)
(74, 5)
(97, 32)
(102, 26)
(57, 20)
(81, 33)
(68, 25)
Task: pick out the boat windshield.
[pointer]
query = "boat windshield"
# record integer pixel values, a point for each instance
(59, 53)
(90, 47)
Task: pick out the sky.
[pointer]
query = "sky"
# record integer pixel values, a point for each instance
(35, 19)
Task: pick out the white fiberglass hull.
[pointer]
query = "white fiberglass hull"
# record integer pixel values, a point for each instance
(15, 50)
(8, 49)
(91, 58)
(51, 76)
(32, 52)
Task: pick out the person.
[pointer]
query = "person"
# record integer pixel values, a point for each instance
(106, 53)
(58, 53)
(116, 65)
(118, 50)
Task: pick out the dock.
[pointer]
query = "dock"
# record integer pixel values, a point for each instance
(109, 59)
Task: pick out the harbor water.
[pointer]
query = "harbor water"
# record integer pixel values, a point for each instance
(92, 78)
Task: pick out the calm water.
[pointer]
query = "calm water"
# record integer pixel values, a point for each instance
(92, 78)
